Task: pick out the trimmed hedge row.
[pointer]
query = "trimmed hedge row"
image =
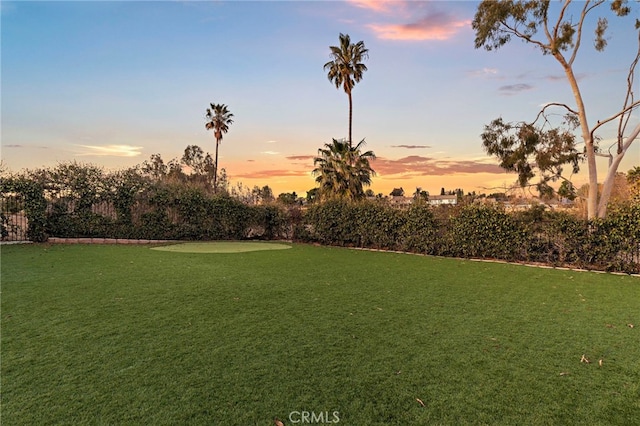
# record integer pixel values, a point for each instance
(159, 211)
(186, 216)
(479, 231)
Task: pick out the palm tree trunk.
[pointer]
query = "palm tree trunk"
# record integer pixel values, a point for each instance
(350, 116)
(215, 169)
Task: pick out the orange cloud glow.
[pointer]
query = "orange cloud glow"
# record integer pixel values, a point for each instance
(415, 165)
(300, 157)
(110, 150)
(267, 174)
(430, 173)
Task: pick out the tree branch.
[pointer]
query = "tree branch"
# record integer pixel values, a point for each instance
(630, 139)
(542, 111)
(613, 117)
(560, 16)
(579, 35)
(523, 36)
(546, 26)
(629, 98)
(585, 11)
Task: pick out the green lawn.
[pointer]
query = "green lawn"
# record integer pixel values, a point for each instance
(129, 335)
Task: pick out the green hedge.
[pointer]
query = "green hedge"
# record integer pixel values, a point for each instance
(488, 232)
(187, 214)
(480, 231)
(135, 208)
(421, 232)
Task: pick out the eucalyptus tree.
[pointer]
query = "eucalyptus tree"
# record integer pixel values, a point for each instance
(219, 118)
(342, 170)
(558, 31)
(155, 167)
(202, 165)
(346, 68)
(633, 180)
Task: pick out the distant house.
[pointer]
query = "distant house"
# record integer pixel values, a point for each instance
(523, 204)
(397, 192)
(439, 200)
(400, 201)
(434, 200)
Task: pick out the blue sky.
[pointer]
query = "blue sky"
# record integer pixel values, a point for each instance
(111, 83)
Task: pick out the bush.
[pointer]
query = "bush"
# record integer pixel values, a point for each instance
(489, 232)
(35, 205)
(421, 232)
(270, 222)
(332, 222)
(377, 225)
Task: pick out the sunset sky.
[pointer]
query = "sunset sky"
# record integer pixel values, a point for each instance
(111, 83)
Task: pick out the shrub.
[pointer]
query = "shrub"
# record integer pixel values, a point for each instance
(482, 231)
(420, 232)
(377, 225)
(32, 193)
(270, 222)
(332, 222)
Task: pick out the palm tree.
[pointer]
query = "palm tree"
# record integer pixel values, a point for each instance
(218, 119)
(343, 170)
(346, 68)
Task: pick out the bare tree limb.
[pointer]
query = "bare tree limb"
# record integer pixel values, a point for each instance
(579, 36)
(585, 11)
(550, 104)
(613, 117)
(523, 36)
(629, 98)
(559, 21)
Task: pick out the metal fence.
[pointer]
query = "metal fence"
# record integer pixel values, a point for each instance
(13, 220)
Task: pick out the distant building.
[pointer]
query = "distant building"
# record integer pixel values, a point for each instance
(523, 204)
(400, 201)
(434, 200)
(439, 200)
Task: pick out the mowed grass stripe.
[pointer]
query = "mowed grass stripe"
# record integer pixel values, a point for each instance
(222, 247)
(125, 334)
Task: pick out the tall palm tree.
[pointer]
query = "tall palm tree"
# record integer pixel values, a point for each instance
(346, 68)
(218, 120)
(343, 170)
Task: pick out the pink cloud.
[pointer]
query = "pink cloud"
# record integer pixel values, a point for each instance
(415, 165)
(411, 146)
(266, 174)
(376, 5)
(434, 26)
(300, 157)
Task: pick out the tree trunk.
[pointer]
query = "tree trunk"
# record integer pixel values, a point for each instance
(215, 169)
(592, 198)
(611, 173)
(350, 116)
